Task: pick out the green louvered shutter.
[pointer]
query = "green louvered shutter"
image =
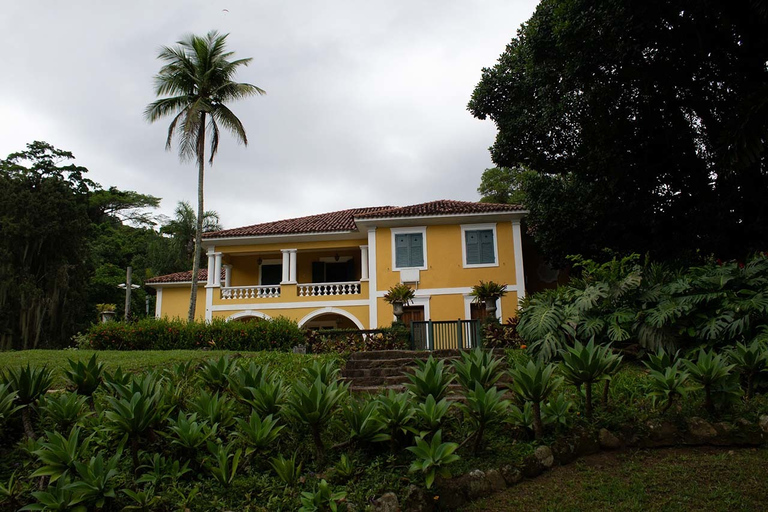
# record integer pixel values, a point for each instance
(473, 247)
(417, 250)
(402, 254)
(486, 246)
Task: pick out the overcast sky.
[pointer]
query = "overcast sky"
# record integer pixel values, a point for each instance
(365, 105)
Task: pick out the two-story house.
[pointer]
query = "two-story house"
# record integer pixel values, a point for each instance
(332, 270)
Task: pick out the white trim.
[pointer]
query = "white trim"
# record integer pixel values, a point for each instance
(468, 299)
(217, 269)
(291, 305)
(208, 303)
(517, 240)
(246, 314)
(373, 309)
(175, 284)
(286, 267)
(427, 292)
(364, 263)
(419, 302)
(286, 237)
(405, 218)
(292, 261)
(331, 310)
(227, 276)
(159, 303)
(211, 265)
(407, 231)
(478, 227)
(332, 259)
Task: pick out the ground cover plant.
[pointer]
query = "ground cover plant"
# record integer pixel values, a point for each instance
(280, 431)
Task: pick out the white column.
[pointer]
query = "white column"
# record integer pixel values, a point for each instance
(217, 270)
(211, 267)
(517, 240)
(292, 262)
(373, 317)
(363, 262)
(227, 275)
(159, 302)
(286, 266)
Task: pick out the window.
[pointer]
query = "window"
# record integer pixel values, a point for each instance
(409, 248)
(479, 245)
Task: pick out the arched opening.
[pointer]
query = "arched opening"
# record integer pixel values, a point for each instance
(330, 318)
(248, 316)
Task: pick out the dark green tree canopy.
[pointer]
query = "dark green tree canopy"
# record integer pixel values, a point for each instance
(502, 185)
(646, 124)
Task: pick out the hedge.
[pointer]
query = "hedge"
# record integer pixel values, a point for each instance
(349, 340)
(160, 334)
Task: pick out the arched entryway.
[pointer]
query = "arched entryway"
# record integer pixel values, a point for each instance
(248, 316)
(330, 318)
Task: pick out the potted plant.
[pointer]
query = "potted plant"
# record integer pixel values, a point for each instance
(399, 296)
(489, 292)
(107, 311)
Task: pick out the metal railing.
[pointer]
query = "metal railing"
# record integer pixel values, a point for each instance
(450, 334)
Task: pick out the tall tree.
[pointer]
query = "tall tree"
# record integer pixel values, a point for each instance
(198, 80)
(646, 124)
(44, 249)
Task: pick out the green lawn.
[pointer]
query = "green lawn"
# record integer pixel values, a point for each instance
(679, 479)
(287, 365)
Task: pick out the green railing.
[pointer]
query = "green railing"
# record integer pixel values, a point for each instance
(448, 334)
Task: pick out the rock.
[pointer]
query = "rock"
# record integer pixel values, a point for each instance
(532, 467)
(724, 435)
(699, 430)
(417, 499)
(478, 485)
(585, 443)
(661, 433)
(748, 433)
(763, 422)
(511, 475)
(544, 455)
(386, 503)
(563, 449)
(608, 440)
(495, 480)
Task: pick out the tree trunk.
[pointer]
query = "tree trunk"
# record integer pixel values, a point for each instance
(200, 211)
(606, 387)
(479, 439)
(750, 381)
(318, 442)
(588, 399)
(26, 419)
(708, 405)
(538, 426)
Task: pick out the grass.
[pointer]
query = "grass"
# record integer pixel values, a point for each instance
(678, 479)
(288, 365)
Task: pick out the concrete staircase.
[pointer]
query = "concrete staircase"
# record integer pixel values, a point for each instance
(381, 370)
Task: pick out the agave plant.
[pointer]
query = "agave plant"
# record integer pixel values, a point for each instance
(557, 411)
(484, 408)
(668, 385)
(314, 405)
(245, 378)
(135, 417)
(287, 470)
(258, 433)
(362, 421)
(268, 397)
(60, 497)
(749, 360)
(29, 384)
(65, 409)
(710, 371)
(143, 501)
(225, 462)
(58, 454)
(189, 434)
(216, 372)
(430, 378)
(85, 377)
(159, 470)
(215, 408)
(523, 417)
(534, 383)
(397, 414)
(432, 458)
(662, 360)
(477, 366)
(586, 365)
(430, 414)
(327, 372)
(96, 483)
(12, 490)
(117, 382)
(322, 498)
(7, 404)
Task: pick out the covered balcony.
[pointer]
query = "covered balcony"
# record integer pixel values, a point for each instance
(290, 274)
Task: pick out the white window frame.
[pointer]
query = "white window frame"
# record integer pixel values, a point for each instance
(407, 231)
(479, 227)
(273, 261)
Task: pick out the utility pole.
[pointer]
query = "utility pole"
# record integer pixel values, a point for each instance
(128, 287)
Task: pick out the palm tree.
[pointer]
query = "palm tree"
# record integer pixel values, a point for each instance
(197, 80)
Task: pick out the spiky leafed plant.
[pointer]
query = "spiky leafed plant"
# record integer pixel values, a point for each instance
(612, 362)
(96, 481)
(257, 433)
(85, 377)
(58, 454)
(433, 457)
(188, 434)
(710, 370)
(430, 378)
(326, 371)
(534, 382)
(750, 360)
(662, 360)
(245, 377)
(287, 470)
(8, 406)
(29, 384)
(269, 397)
(314, 404)
(215, 408)
(397, 413)
(362, 422)
(668, 385)
(477, 366)
(216, 372)
(484, 408)
(586, 365)
(65, 409)
(135, 418)
(197, 80)
(430, 413)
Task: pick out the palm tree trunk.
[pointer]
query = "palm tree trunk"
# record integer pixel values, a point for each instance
(200, 212)
(538, 426)
(479, 439)
(588, 399)
(26, 420)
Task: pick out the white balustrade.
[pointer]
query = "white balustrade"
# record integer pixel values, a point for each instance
(250, 292)
(324, 289)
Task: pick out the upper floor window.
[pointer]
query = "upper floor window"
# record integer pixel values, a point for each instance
(479, 246)
(409, 249)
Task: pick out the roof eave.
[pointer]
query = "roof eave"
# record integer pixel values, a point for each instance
(284, 237)
(449, 218)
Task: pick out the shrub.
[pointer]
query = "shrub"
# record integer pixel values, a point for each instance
(161, 334)
(345, 340)
(496, 335)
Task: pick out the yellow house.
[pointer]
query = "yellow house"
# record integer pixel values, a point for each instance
(332, 270)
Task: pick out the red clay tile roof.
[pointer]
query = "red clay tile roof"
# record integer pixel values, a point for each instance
(323, 223)
(181, 277)
(442, 207)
